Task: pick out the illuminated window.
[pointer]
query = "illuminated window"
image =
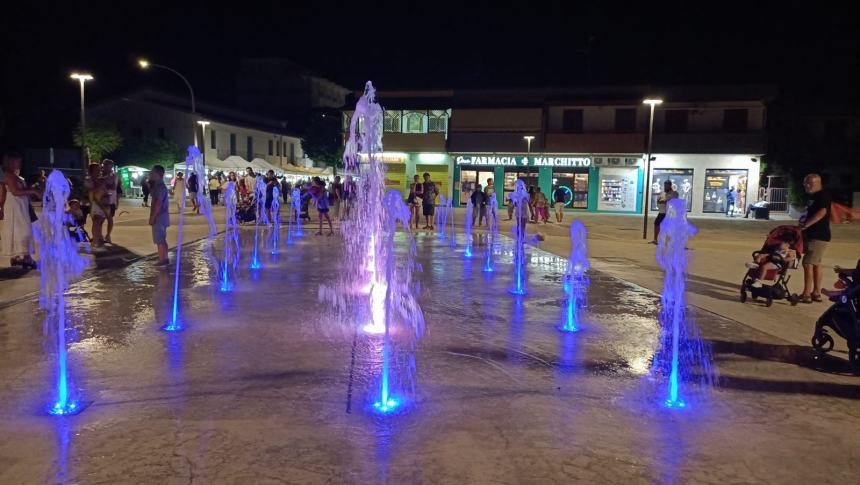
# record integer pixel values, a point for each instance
(414, 122)
(437, 122)
(391, 122)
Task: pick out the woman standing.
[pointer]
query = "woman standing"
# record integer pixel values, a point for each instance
(179, 190)
(99, 202)
(532, 200)
(416, 194)
(16, 239)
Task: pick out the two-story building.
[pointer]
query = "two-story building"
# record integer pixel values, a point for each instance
(229, 132)
(415, 132)
(591, 142)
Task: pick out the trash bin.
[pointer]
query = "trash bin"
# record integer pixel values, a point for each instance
(761, 213)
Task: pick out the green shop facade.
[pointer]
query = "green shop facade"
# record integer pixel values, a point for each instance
(592, 183)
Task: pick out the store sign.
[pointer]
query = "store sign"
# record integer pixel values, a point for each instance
(519, 161)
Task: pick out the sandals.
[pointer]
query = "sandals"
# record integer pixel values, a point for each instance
(804, 299)
(816, 297)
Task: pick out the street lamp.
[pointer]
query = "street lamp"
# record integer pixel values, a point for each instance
(83, 78)
(652, 102)
(528, 139)
(145, 64)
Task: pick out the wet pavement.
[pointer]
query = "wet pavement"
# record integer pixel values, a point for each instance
(264, 386)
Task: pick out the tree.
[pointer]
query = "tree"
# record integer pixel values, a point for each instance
(147, 152)
(102, 138)
(322, 139)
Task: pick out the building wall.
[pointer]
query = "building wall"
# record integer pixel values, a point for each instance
(515, 119)
(701, 163)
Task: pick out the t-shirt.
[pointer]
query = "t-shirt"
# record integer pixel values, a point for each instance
(478, 198)
(559, 195)
(213, 184)
(430, 193)
(819, 231)
(250, 183)
(665, 197)
(335, 192)
(730, 196)
(193, 186)
(159, 194)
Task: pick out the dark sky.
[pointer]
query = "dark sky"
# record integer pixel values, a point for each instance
(416, 44)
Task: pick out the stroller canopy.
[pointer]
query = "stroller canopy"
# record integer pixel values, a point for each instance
(792, 233)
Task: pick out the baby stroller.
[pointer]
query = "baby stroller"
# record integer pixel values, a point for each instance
(842, 317)
(246, 212)
(774, 284)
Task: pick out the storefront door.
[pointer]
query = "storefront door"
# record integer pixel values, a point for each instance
(576, 184)
(717, 184)
(468, 181)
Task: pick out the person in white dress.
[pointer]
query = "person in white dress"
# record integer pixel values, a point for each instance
(179, 190)
(16, 237)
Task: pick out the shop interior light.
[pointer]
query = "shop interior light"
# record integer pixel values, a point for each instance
(431, 157)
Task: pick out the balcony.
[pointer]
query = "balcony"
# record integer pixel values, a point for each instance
(595, 143)
(752, 143)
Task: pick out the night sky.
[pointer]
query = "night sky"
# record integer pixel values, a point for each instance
(802, 48)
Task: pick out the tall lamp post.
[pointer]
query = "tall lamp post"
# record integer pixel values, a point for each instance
(652, 102)
(528, 139)
(83, 78)
(145, 64)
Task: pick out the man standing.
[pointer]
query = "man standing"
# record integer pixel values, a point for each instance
(815, 224)
(730, 202)
(193, 185)
(662, 202)
(490, 191)
(250, 181)
(558, 197)
(214, 190)
(428, 202)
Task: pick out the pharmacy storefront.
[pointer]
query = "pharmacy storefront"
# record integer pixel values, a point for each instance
(591, 183)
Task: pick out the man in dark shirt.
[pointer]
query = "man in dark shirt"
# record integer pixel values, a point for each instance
(428, 204)
(815, 224)
(558, 197)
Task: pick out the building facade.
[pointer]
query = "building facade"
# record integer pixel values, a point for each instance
(152, 115)
(415, 133)
(589, 142)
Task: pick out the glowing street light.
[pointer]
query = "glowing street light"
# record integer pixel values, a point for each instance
(652, 102)
(83, 78)
(145, 65)
(528, 139)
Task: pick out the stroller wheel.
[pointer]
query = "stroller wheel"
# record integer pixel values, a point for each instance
(743, 294)
(794, 299)
(822, 341)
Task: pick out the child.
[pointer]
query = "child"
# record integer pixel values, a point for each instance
(541, 211)
(76, 220)
(318, 193)
(766, 260)
(159, 217)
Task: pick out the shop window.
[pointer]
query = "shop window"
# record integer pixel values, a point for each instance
(676, 121)
(391, 122)
(437, 122)
(414, 122)
(682, 182)
(718, 182)
(575, 186)
(571, 121)
(625, 120)
(735, 120)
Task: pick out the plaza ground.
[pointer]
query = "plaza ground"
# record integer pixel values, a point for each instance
(266, 386)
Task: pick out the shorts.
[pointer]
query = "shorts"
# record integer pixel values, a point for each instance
(159, 234)
(559, 208)
(659, 218)
(112, 210)
(323, 210)
(814, 251)
(429, 209)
